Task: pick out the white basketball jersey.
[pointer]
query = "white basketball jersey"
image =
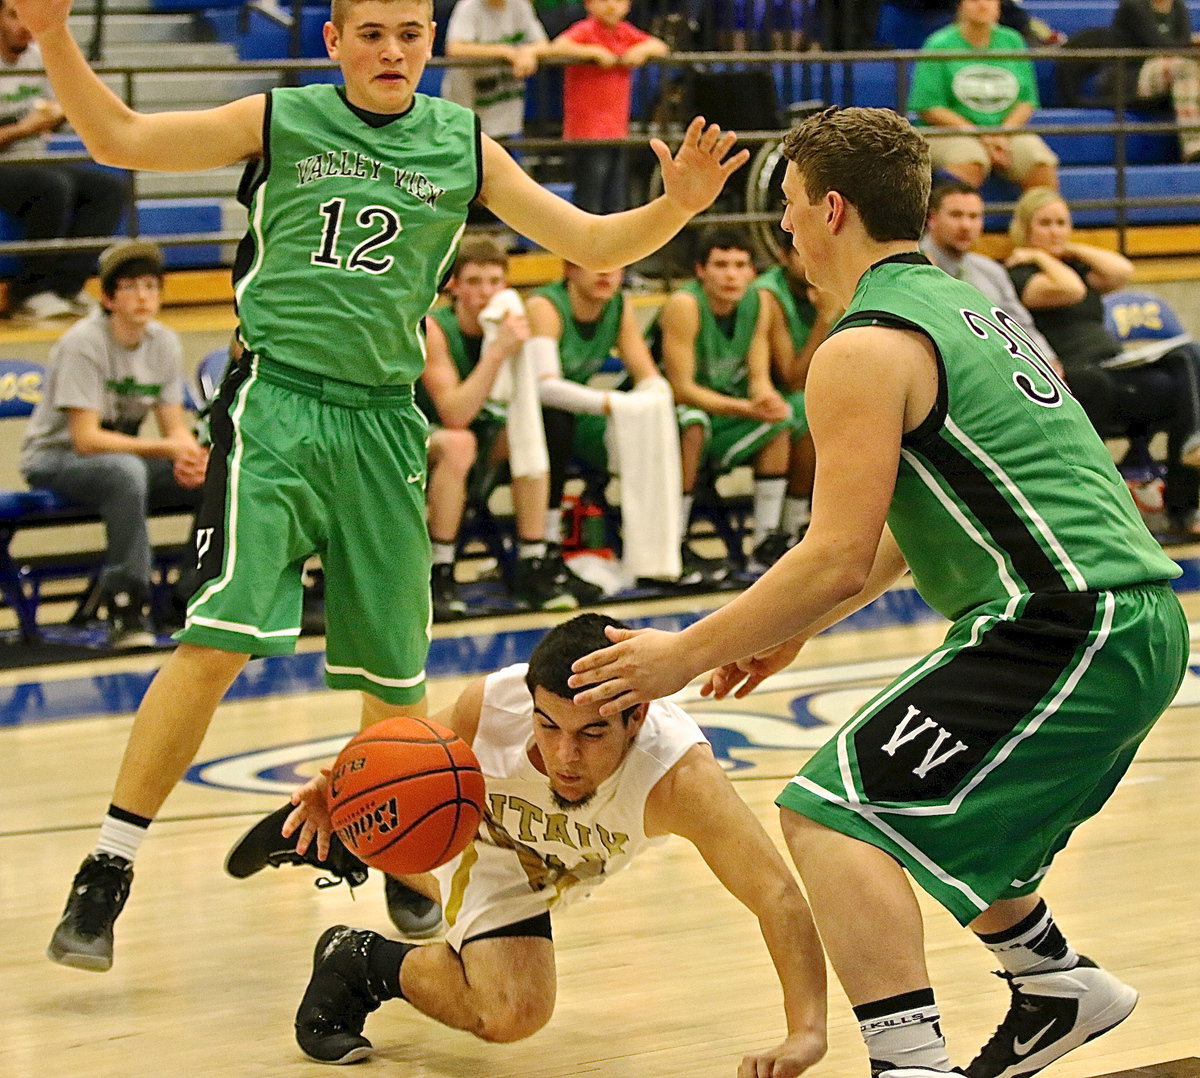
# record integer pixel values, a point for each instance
(530, 854)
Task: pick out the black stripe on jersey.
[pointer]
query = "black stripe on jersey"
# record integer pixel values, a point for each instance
(254, 175)
(216, 479)
(478, 158)
(923, 745)
(970, 484)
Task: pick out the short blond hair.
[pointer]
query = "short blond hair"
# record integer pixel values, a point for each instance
(340, 9)
(1030, 202)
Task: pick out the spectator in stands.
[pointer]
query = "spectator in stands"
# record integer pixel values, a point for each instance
(980, 91)
(107, 372)
(1061, 282)
(954, 226)
(715, 348)
(52, 200)
(456, 387)
(577, 324)
(1165, 25)
(596, 98)
(505, 30)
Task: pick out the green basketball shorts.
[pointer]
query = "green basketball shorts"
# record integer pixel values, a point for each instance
(974, 766)
(732, 441)
(305, 465)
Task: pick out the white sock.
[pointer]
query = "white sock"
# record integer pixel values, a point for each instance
(903, 1031)
(443, 553)
(769, 492)
(797, 512)
(1033, 945)
(121, 836)
(527, 548)
(554, 528)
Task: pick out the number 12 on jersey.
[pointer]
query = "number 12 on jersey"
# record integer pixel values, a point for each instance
(380, 222)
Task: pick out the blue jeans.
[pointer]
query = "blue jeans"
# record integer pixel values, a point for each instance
(122, 488)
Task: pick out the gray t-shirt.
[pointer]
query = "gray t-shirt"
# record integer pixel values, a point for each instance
(19, 92)
(90, 369)
(993, 281)
(492, 92)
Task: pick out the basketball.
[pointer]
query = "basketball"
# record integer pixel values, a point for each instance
(406, 795)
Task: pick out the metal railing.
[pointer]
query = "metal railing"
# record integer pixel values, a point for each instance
(811, 75)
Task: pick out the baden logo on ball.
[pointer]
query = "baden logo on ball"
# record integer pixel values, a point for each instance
(406, 795)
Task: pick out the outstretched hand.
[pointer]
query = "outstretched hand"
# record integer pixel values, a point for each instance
(310, 816)
(745, 675)
(40, 16)
(695, 175)
(642, 665)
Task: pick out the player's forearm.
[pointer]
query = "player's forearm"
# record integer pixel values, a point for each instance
(799, 960)
(615, 240)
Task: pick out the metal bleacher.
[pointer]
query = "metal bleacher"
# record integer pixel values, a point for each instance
(1120, 167)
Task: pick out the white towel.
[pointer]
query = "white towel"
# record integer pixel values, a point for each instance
(643, 445)
(516, 384)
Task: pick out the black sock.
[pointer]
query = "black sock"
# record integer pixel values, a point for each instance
(383, 967)
(1033, 945)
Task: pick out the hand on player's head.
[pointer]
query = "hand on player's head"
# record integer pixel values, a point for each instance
(695, 175)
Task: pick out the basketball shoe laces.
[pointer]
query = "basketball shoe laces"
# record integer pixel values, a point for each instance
(341, 864)
(101, 888)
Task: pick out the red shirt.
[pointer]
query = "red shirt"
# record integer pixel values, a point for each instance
(595, 98)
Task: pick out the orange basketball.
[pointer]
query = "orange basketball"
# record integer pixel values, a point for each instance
(406, 795)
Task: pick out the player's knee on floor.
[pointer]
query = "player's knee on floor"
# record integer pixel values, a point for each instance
(504, 1020)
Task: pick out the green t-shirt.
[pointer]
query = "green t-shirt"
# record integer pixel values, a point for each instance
(982, 90)
(353, 225)
(1005, 488)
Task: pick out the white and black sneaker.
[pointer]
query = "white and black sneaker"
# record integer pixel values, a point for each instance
(84, 937)
(1051, 1014)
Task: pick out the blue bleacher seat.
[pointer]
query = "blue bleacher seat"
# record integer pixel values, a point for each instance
(1142, 181)
(258, 38)
(1070, 16)
(1141, 148)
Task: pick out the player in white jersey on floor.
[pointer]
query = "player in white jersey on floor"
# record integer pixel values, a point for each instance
(572, 797)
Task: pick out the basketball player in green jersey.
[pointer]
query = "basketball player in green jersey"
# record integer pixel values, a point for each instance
(588, 319)
(947, 446)
(716, 355)
(358, 195)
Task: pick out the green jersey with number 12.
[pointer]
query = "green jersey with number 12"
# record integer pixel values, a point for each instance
(352, 229)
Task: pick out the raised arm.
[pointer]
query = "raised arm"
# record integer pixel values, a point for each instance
(458, 400)
(695, 800)
(692, 179)
(116, 135)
